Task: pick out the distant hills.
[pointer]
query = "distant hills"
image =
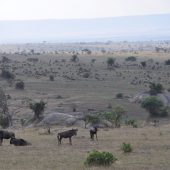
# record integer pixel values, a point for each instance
(130, 28)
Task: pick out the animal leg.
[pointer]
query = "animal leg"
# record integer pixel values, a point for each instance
(70, 141)
(59, 139)
(96, 137)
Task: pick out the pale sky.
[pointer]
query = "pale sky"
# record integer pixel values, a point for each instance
(70, 9)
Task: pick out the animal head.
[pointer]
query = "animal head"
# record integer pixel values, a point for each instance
(75, 131)
(12, 140)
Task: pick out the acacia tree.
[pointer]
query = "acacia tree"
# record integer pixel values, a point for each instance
(114, 116)
(38, 109)
(91, 118)
(111, 62)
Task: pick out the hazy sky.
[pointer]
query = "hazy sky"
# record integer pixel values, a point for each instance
(68, 9)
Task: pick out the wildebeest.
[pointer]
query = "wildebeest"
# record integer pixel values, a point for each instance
(93, 131)
(19, 142)
(67, 134)
(5, 135)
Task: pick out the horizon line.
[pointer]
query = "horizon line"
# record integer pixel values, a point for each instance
(66, 19)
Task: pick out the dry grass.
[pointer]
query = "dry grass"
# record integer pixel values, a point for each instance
(151, 150)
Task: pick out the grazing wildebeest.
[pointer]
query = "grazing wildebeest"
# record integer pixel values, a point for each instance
(19, 142)
(67, 134)
(93, 131)
(5, 135)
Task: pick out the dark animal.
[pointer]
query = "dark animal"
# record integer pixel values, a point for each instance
(67, 134)
(93, 131)
(19, 142)
(5, 135)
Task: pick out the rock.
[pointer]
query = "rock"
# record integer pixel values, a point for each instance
(71, 121)
(67, 119)
(55, 119)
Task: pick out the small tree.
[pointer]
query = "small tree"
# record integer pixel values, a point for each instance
(153, 105)
(143, 63)
(74, 58)
(37, 108)
(91, 118)
(114, 116)
(111, 62)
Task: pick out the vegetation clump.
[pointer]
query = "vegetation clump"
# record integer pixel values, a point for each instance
(131, 122)
(131, 58)
(37, 108)
(167, 62)
(119, 95)
(74, 58)
(97, 158)
(155, 107)
(7, 74)
(20, 85)
(127, 147)
(110, 62)
(51, 77)
(155, 88)
(114, 116)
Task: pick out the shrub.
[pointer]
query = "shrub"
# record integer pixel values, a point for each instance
(100, 159)
(131, 58)
(74, 58)
(126, 147)
(111, 61)
(154, 106)
(119, 95)
(6, 74)
(131, 122)
(86, 75)
(155, 88)
(167, 62)
(51, 77)
(20, 85)
(143, 63)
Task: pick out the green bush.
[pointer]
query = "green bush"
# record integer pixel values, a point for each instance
(100, 158)
(155, 107)
(126, 147)
(111, 61)
(131, 122)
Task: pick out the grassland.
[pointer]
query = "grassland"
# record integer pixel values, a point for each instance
(151, 149)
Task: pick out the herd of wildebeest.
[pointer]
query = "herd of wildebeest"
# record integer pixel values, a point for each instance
(66, 134)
